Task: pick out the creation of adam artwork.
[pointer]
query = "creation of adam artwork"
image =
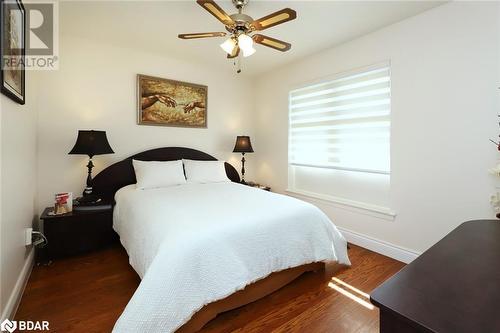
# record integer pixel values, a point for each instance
(171, 103)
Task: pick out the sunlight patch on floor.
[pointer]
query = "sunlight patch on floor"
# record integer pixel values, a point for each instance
(362, 299)
(356, 290)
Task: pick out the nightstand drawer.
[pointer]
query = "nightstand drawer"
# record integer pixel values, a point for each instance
(79, 222)
(65, 244)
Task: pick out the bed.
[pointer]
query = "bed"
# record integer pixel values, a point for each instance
(202, 249)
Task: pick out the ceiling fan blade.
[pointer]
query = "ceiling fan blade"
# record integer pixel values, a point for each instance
(202, 35)
(216, 11)
(271, 42)
(273, 19)
(235, 53)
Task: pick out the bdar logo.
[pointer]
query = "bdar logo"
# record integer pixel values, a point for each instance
(8, 325)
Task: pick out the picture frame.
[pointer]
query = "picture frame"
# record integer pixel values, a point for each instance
(13, 50)
(165, 102)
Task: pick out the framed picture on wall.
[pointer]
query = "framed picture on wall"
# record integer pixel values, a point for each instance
(12, 48)
(166, 102)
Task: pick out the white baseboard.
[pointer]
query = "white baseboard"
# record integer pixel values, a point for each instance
(18, 290)
(344, 203)
(379, 246)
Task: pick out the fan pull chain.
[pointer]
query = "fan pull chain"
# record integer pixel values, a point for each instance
(237, 64)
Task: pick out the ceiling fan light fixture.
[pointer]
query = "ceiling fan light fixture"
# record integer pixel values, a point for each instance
(228, 46)
(248, 52)
(245, 42)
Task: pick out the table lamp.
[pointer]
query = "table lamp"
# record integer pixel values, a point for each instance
(243, 145)
(90, 143)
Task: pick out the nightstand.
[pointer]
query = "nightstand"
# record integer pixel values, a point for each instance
(262, 187)
(76, 232)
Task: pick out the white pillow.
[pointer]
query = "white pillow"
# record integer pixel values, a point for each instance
(205, 171)
(158, 174)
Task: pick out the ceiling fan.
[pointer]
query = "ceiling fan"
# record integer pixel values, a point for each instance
(241, 27)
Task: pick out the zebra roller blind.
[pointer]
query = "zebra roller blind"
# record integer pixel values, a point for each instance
(343, 123)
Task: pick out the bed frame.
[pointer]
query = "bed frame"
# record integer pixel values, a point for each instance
(120, 174)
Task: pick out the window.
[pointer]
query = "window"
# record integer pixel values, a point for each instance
(343, 123)
(339, 139)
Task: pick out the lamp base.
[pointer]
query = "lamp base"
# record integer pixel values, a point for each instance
(88, 189)
(88, 200)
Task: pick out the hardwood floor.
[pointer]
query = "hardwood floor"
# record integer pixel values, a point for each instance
(88, 294)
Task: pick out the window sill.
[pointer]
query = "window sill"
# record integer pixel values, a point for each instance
(378, 211)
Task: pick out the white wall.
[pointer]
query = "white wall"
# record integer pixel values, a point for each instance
(95, 88)
(445, 66)
(18, 190)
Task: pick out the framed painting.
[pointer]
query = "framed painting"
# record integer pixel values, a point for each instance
(166, 102)
(12, 48)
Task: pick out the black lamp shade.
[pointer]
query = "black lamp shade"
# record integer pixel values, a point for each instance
(243, 145)
(91, 143)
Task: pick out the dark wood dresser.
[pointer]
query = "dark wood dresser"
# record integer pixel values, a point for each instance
(453, 287)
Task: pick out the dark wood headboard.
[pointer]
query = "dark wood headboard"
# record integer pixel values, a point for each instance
(121, 174)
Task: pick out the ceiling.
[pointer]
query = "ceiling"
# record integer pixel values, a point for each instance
(154, 25)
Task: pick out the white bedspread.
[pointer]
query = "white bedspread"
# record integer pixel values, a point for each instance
(194, 244)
